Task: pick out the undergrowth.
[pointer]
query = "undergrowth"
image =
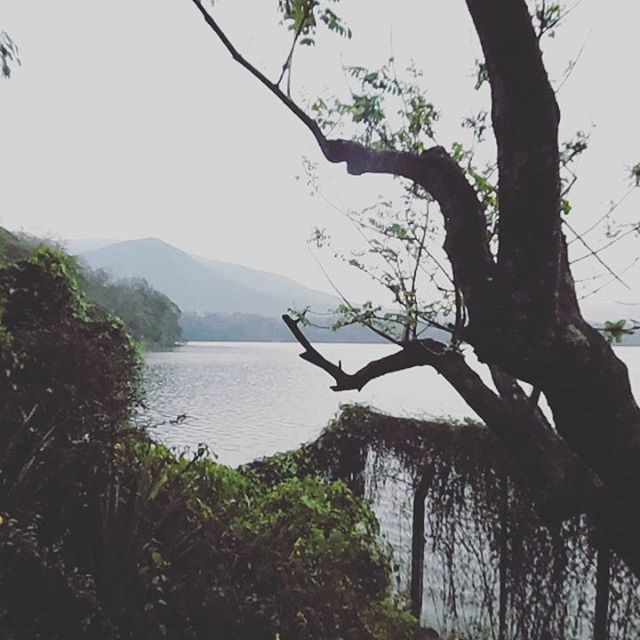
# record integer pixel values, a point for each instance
(106, 534)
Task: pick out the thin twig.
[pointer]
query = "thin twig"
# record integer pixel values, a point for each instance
(595, 255)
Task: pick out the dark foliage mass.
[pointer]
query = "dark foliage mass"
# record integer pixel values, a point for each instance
(107, 535)
(70, 379)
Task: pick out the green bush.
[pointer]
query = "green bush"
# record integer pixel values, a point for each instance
(207, 548)
(69, 381)
(105, 534)
(309, 562)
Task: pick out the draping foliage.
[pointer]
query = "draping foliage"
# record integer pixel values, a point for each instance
(492, 565)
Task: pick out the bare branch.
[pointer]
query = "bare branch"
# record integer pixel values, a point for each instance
(271, 86)
(612, 207)
(434, 170)
(403, 359)
(572, 63)
(633, 229)
(608, 282)
(593, 253)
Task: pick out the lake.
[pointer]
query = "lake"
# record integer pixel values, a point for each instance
(246, 400)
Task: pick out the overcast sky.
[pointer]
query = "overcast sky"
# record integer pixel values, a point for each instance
(128, 119)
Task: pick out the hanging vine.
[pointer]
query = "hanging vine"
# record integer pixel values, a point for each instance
(492, 567)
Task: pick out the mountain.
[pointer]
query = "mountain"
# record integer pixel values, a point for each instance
(202, 285)
(75, 247)
(276, 285)
(206, 290)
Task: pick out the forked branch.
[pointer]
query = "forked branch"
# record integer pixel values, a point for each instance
(434, 169)
(403, 359)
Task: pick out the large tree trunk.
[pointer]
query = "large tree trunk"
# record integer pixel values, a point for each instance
(523, 313)
(534, 329)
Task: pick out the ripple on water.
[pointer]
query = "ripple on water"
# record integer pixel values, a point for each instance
(246, 400)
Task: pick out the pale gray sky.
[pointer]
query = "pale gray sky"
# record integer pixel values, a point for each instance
(128, 119)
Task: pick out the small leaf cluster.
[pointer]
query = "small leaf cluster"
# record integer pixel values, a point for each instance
(302, 17)
(483, 179)
(570, 151)
(546, 17)
(388, 113)
(615, 331)
(635, 174)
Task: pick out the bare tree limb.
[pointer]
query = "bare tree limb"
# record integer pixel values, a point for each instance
(595, 254)
(271, 86)
(403, 359)
(466, 243)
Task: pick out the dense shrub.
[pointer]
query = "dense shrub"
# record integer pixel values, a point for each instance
(107, 535)
(218, 550)
(70, 380)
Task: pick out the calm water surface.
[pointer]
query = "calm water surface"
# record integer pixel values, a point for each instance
(246, 400)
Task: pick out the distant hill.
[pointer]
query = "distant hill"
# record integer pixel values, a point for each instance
(148, 316)
(74, 247)
(225, 301)
(250, 327)
(202, 285)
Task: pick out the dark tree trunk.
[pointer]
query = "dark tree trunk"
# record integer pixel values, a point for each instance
(523, 315)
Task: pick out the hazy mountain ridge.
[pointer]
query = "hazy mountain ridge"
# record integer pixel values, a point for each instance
(202, 285)
(270, 283)
(214, 295)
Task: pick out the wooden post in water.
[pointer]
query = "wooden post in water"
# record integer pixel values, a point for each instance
(603, 577)
(417, 541)
(503, 559)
